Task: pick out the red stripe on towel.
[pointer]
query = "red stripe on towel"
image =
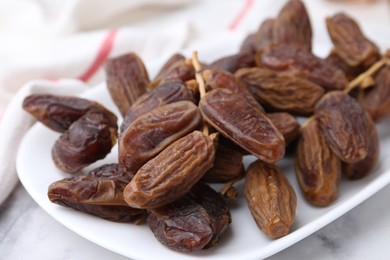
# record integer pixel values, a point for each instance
(101, 57)
(241, 15)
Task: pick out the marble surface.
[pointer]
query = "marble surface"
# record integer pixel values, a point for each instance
(28, 232)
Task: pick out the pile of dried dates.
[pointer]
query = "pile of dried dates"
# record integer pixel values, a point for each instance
(193, 123)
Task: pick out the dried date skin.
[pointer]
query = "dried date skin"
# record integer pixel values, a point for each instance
(300, 62)
(179, 70)
(350, 72)
(361, 169)
(182, 225)
(287, 125)
(227, 166)
(172, 173)
(245, 125)
(233, 62)
(154, 131)
(59, 112)
(260, 39)
(165, 93)
(292, 26)
(196, 221)
(281, 92)
(349, 41)
(223, 79)
(100, 193)
(127, 79)
(87, 140)
(167, 65)
(216, 208)
(344, 125)
(106, 171)
(317, 168)
(376, 99)
(271, 199)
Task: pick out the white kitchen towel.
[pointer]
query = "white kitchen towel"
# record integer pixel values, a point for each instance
(71, 39)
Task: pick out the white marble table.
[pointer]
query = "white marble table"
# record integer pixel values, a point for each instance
(28, 232)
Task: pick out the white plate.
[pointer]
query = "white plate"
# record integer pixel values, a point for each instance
(243, 239)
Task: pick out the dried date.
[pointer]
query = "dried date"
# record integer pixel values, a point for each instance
(100, 193)
(181, 69)
(344, 124)
(223, 79)
(244, 125)
(292, 26)
(350, 43)
(167, 65)
(271, 199)
(59, 112)
(234, 62)
(154, 131)
(281, 92)
(376, 100)
(317, 168)
(350, 72)
(127, 79)
(362, 168)
(300, 62)
(87, 140)
(227, 166)
(287, 125)
(172, 173)
(196, 221)
(165, 93)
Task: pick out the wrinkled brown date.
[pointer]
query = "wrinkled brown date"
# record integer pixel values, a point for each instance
(287, 125)
(227, 166)
(165, 93)
(223, 79)
(234, 62)
(350, 72)
(172, 173)
(260, 39)
(301, 62)
(154, 131)
(361, 169)
(59, 112)
(172, 60)
(376, 100)
(349, 41)
(181, 69)
(87, 140)
(127, 79)
(194, 222)
(292, 26)
(345, 126)
(245, 125)
(100, 193)
(199, 220)
(107, 171)
(317, 168)
(271, 199)
(216, 208)
(281, 92)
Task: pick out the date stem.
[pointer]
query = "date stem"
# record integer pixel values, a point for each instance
(201, 85)
(362, 77)
(228, 191)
